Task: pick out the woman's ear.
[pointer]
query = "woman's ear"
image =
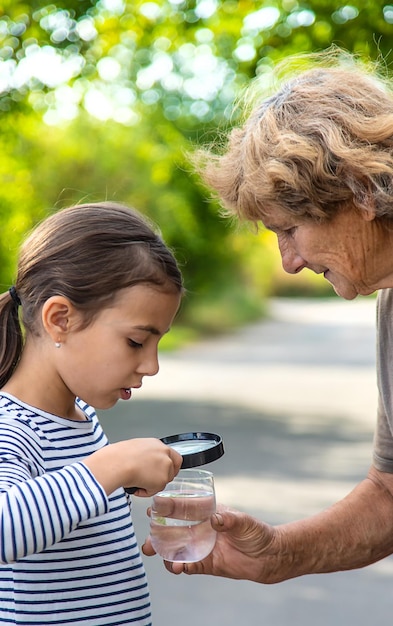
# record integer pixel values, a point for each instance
(57, 313)
(364, 200)
(368, 211)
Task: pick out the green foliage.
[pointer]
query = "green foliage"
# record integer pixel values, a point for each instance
(106, 100)
(188, 57)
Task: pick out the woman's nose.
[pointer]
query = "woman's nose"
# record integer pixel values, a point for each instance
(292, 261)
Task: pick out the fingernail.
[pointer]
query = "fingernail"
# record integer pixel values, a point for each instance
(219, 519)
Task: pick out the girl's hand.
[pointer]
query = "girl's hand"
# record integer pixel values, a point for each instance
(148, 464)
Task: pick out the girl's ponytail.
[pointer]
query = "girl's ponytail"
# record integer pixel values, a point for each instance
(11, 337)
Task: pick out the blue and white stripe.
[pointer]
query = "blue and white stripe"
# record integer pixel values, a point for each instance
(68, 552)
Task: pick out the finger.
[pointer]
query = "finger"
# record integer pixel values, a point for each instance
(162, 506)
(227, 518)
(147, 548)
(181, 507)
(176, 459)
(174, 568)
(185, 568)
(143, 493)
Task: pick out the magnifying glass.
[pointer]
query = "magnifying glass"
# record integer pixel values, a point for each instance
(196, 448)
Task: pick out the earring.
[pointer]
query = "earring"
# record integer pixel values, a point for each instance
(57, 344)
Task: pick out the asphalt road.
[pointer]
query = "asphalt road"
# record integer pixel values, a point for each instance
(294, 398)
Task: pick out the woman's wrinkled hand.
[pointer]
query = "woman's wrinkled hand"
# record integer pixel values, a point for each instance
(243, 549)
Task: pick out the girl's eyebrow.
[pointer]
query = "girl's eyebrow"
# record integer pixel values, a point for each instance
(152, 329)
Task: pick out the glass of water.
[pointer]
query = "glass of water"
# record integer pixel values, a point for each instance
(180, 528)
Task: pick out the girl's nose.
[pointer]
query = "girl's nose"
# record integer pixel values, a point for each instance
(149, 366)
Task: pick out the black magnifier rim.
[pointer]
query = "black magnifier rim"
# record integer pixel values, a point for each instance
(201, 457)
(194, 459)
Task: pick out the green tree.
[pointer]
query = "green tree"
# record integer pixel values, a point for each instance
(189, 57)
(105, 99)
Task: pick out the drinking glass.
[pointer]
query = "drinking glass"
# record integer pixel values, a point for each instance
(180, 528)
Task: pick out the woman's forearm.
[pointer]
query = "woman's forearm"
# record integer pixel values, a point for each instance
(353, 533)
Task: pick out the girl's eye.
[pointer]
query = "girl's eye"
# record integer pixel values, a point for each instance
(134, 344)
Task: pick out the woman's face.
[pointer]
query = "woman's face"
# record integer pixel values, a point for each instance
(346, 249)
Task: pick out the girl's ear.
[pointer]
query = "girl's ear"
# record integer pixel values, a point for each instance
(57, 315)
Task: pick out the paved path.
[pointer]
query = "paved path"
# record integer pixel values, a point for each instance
(294, 398)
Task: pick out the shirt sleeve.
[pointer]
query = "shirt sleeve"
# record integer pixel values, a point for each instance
(383, 439)
(39, 509)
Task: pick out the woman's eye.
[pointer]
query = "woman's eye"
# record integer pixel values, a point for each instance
(134, 344)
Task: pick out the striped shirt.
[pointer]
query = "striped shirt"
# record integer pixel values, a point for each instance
(68, 552)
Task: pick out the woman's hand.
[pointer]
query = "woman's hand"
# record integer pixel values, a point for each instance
(241, 545)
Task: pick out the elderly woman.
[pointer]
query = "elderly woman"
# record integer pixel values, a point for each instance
(314, 164)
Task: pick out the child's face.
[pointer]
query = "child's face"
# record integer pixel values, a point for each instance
(103, 362)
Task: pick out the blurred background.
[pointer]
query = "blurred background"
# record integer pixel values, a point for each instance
(107, 100)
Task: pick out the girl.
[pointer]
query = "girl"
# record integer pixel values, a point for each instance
(96, 289)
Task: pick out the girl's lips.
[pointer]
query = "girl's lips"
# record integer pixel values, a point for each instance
(125, 393)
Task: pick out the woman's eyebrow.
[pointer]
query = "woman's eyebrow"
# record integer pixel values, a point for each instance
(271, 227)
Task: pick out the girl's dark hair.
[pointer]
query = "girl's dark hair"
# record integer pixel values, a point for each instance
(85, 253)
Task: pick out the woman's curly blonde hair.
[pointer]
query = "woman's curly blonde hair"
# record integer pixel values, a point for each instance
(323, 139)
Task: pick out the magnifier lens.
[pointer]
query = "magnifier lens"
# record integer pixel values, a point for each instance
(196, 448)
(190, 447)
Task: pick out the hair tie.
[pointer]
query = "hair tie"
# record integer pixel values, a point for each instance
(14, 296)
